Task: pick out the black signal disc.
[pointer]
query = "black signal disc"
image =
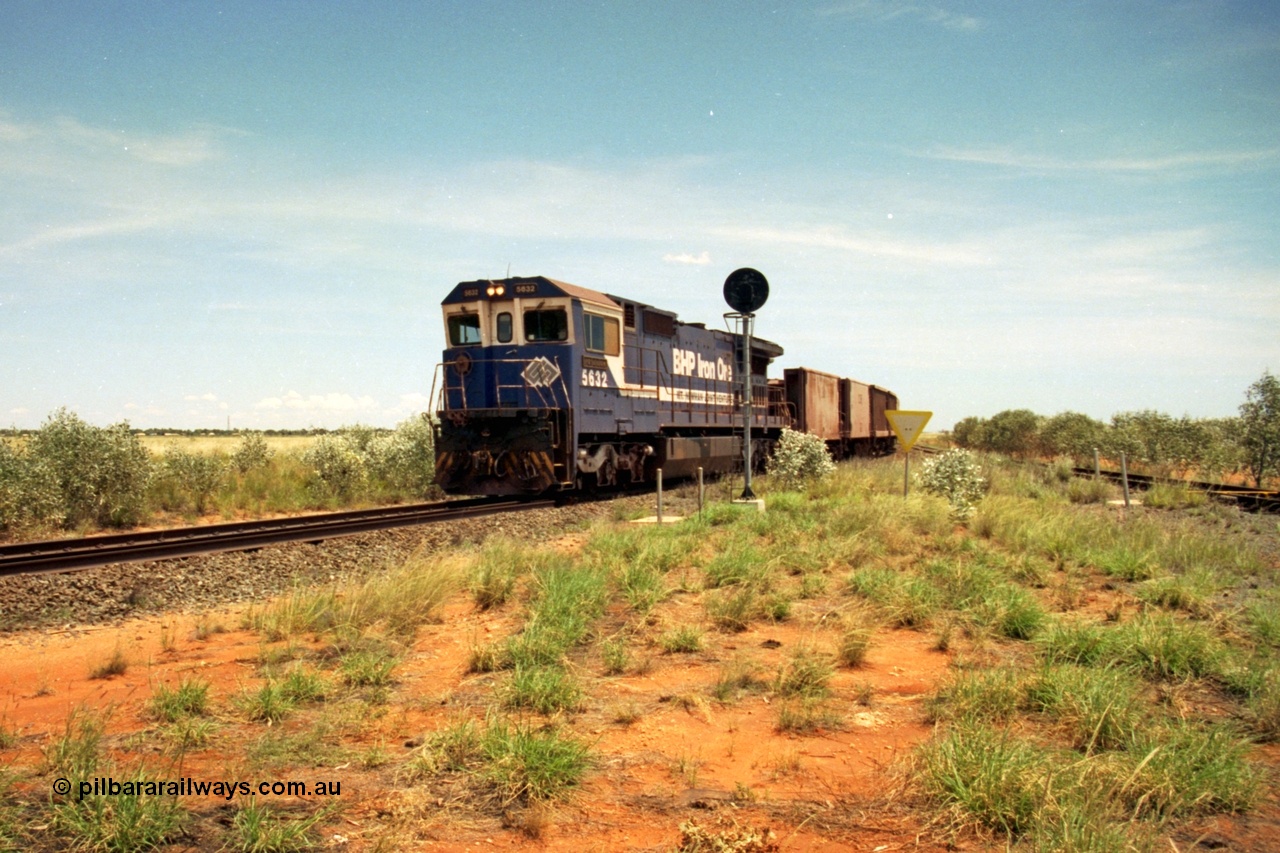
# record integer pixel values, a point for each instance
(746, 290)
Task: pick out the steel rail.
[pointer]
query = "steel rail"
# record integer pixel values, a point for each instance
(1245, 497)
(62, 555)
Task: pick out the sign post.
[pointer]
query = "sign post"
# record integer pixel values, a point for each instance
(746, 291)
(907, 426)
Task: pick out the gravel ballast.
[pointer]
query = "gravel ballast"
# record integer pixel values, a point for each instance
(117, 592)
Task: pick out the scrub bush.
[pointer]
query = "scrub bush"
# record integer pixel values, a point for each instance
(253, 453)
(956, 476)
(339, 468)
(99, 475)
(799, 457)
(404, 460)
(29, 496)
(195, 475)
(362, 462)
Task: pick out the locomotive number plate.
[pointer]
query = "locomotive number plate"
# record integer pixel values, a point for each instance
(595, 378)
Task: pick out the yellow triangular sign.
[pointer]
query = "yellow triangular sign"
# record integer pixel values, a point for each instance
(907, 426)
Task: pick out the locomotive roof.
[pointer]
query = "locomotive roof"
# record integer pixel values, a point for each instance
(545, 287)
(469, 291)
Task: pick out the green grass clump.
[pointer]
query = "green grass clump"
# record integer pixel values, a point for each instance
(1126, 562)
(615, 655)
(270, 703)
(515, 763)
(1096, 708)
(1012, 612)
(732, 609)
(531, 765)
(566, 602)
(1182, 768)
(737, 676)
(544, 689)
(988, 776)
(807, 714)
(259, 828)
(395, 602)
(276, 699)
(188, 699)
(806, 674)
(1173, 496)
(140, 819)
(991, 696)
(684, 639)
(74, 755)
(1262, 620)
(367, 667)
(492, 583)
(131, 819)
(1163, 647)
(1089, 491)
(738, 564)
(1191, 592)
(1076, 641)
(905, 600)
(643, 587)
(854, 643)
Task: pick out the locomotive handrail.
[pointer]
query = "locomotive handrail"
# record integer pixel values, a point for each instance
(546, 395)
(725, 413)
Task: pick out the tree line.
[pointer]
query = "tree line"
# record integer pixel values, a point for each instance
(1247, 444)
(71, 475)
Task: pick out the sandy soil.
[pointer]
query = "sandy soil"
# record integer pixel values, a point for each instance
(684, 757)
(666, 752)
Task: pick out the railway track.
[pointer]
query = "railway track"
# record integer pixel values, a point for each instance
(1253, 500)
(63, 555)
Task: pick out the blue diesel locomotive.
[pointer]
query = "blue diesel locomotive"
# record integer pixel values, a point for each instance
(549, 386)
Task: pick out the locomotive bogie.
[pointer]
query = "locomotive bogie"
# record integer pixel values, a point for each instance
(501, 452)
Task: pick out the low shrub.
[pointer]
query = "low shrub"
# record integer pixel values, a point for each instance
(956, 476)
(799, 457)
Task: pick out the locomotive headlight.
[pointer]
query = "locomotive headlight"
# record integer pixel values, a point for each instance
(495, 290)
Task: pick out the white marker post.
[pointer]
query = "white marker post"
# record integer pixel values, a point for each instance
(908, 427)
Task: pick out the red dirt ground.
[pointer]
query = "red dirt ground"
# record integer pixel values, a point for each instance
(683, 757)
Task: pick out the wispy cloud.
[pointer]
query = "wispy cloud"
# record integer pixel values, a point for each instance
(1192, 161)
(331, 402)
(198, 145)
(848, 240)
(112, 226)
(700, 260)
(889, 10)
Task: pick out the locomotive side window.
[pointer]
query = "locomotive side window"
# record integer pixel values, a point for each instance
(504, 327)
(551, 324)
(601, 333)
(464, 330)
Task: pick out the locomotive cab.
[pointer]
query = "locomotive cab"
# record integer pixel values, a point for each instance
(519, 354)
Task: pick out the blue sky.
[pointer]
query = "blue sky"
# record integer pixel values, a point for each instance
(249, 212)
